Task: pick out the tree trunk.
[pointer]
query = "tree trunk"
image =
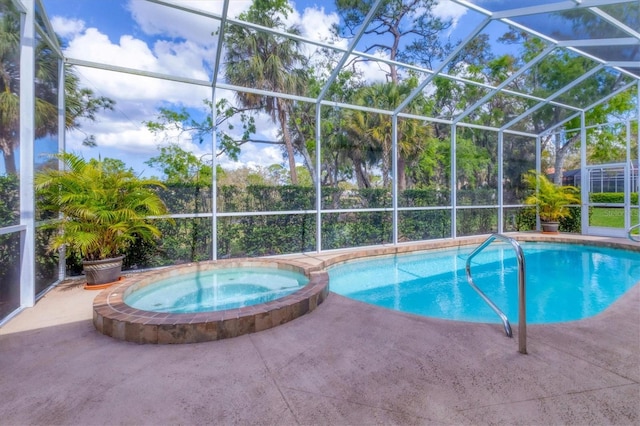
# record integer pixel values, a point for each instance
(308, 161)
(361, 176)
(402, 184)
(282, 116)
(561, 154)
(9, 158)
(386, 167)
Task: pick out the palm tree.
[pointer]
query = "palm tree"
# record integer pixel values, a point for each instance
(553, 201)
(104, 206)
(375, 130)
(9, 82)
(268, 62)
(80, 102)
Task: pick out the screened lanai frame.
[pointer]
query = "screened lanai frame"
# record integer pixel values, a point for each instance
(35, 23)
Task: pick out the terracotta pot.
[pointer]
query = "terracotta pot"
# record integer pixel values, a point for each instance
(550, 227)
(102, 271)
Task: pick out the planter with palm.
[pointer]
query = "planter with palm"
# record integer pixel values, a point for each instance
(553, 201)
(103, 210)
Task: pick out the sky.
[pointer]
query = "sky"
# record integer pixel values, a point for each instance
(150, 37)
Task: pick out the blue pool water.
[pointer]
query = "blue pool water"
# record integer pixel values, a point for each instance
(565, 282)
(216, 290)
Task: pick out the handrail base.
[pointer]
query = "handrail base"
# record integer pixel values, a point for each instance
(631, 236)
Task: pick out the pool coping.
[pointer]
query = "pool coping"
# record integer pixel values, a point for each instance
(114, 318)
(327, 260)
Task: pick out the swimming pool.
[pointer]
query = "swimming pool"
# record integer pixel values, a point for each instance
(565, 282)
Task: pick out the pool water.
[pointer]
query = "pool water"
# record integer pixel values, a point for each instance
(216, 290)
(564, 282)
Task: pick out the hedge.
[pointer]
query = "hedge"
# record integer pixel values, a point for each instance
(190, 239)
(612, 197)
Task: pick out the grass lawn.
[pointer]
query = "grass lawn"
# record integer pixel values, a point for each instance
(612, 217)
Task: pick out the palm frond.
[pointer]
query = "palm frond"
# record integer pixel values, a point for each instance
(104, 209)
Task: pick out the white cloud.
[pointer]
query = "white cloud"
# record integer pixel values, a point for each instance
(134, 144)
(159, 20)
(129, 89)
(374, 71)
(255, 156)
(184, 59)
(137, 100)
(92, 45)
(316, 24)
(67, 28)
(446, 9)
(175, 43)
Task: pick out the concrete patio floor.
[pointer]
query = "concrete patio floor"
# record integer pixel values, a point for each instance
(346, 363)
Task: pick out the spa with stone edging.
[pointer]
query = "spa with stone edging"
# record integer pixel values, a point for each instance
(113, 317)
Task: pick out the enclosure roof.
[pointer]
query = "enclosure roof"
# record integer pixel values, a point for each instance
(603, 34)
(607, 31)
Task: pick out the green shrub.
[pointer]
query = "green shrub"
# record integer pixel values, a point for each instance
(9, 200)
(424, 225)
(612, 197)
(526, 220)
(424, 198)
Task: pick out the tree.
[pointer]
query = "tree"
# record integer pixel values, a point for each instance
(182, 120)
(406, 30)
(374, 130)
(335, 164)
(242, 177)
(80, 102)
(553, 73)
(607, 143)
(9, 83)
(267, 61)
(432, 168)
(9, 200)
(180, 166)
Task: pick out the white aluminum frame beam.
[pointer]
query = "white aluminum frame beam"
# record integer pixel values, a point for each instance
(214, 140)
(599, 42)
(616, 23)
(27, 160)
(554, 7)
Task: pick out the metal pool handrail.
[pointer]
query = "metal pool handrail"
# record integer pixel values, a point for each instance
(522, 310)
(630, 235)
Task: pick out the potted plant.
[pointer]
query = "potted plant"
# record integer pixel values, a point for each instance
(103, 209)
(552, 200)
